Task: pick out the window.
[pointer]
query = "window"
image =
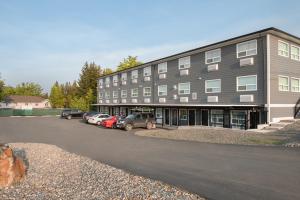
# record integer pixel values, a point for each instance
(100, 95)
(217, 118)
(147, 91)
(107, 80)
(295, 84)
(238, 119)
(213, 86)
(147, 71)
(213, 56)
(283, 83)
(247, 83)
(162, 90)
(248, 48)
(162, 68)
(183, 114)
(184, 88)
(115, 78)
(115, 94)
(123, 93)
(184, 62)
(100, 82)
(124, 76)
(134, 74)
(134, 92)
(107, 95)
(295, 53)
(283, 49)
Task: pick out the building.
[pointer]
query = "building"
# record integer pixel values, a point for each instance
(237, 83)
(25, 102)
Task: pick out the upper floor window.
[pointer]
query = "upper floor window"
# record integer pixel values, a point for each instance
(247, 83)
(115, 78)
(213, 86)
(124, 76)
(162, 90)
(100, 82)
(107, 95)
(107, 80)
(134, 92)
(162, 67)
(213, 56)
(134, 74)
(283, 49)
(147, 71)
(283, 83)
(248, 48)
(123, 93)
(295, 84)
(100, 95)
(184, 62)
(295, 53)
(184, 88)
(115, 94)
(147, 91)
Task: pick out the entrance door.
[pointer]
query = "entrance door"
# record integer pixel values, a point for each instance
(167, 117)
(254, 119)
(192, 120)
(204, 117)
(174, 117)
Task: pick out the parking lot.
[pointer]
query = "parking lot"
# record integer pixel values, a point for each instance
(214, 171)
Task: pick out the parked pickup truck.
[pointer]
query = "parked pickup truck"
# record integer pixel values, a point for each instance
(71, 113)
(137, 120)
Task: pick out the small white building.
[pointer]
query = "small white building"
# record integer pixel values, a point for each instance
(25, 102)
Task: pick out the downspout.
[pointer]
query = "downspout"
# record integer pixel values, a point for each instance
(268, 79)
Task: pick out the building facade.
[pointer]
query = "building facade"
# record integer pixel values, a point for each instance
(25, 102)
(237, 83)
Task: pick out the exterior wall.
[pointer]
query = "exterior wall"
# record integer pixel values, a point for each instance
(282, 102)
(44, 104)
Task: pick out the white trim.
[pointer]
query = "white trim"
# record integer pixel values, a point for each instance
(213, 80)
(237, 85)
(144, 92)
(162, 65)
(268, 78)
(237, 52)
(282, 76)
(297, 47)
(219, 49)
(193, 105)
(189, 88)
(137, 94)
(134, 74)
(280, 105)
(298, 85)
(186, 65)
(158, 90)
(288, 48)
(125, 96)
(147, 69)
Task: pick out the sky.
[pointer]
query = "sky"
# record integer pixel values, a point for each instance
(48, 41)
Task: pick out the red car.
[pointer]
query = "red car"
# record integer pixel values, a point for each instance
(110, 122)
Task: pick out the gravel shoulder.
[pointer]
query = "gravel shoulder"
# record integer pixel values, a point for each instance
(56, 174)
(288, 136)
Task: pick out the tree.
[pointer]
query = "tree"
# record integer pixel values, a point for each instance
(129, 62)
(56, 96)
(69, 91)
(29, 89)
(83, 102)
(1, 90)
(106, 71)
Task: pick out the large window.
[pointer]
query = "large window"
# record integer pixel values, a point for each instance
(248, 48)
(124, 76)
(247, 83)
(147, 91)
(238, 119)
(295, 84)
(213, 56)
(107, 80)
(283, 49)
(184, 88)
(162, 68)
(213, 86)
(134, 92)
(123, 93)
(147, 71)
(184, 62)
(217, 118)
(100, 82)
(295, 53)
(134, 74)
(107, 95)
(162, 90)
(115, 78)
(100, 95)
(283, 83)
(115, 94)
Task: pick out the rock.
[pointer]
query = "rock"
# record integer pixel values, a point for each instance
(12, 168)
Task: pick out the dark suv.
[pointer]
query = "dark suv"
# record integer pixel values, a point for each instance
(137, 120)
(71, 113)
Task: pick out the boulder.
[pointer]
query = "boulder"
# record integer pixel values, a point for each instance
(12, 168)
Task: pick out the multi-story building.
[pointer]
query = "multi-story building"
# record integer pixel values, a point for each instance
(240, 82)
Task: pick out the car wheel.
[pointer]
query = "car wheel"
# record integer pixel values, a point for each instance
(149, 125)
(69, 117)
(128, 127)
(114, 125)
(98, 123)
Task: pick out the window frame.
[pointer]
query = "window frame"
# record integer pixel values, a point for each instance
(101, 95)
(148, 94)
(124, 76)
(288, 51)
(207, 52)
(122, 95)
(159, 90)
(107, 96)
(180, 60)
(297, 86)
(189, 83)
(237, 49)
(107, 82)
(210, 81)
(136, 75)
(115, 79)
(297, 47)
(145, 70)
(162, 65)
(115, 92)
(288, 86)
(246, 90)
(137, 93)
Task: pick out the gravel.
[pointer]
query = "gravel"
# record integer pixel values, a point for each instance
(56, 174)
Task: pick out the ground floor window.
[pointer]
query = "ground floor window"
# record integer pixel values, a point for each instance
(217, 118)
(183, 114)
(159, 115)
(238, 119)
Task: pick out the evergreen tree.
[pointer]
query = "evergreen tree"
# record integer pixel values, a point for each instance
(29, 89)
(1, 90)
(56, 96)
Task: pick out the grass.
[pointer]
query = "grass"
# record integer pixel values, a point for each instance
(265, 141)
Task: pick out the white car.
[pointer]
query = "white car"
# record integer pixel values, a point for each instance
(97, 119)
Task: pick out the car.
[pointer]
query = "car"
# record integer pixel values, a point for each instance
(110, 122)
(96, 119)
(87, 115)
(137, 120)
(72, 113)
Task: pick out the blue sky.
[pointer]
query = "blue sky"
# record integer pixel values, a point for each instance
(45, 41)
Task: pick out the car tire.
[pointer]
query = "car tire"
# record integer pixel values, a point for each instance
(149, 125)
(69, 117)
(98, 123)
(128, 127)
(114, 126)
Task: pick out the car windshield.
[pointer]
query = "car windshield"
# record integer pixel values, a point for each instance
(130, 117)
